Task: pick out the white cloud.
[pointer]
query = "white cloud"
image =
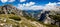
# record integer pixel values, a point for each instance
(3, 1)
(58, 3)
(32, 6)
(22, 0)
(20, 6)
(51, 6)
(11, 0)
(29, 6)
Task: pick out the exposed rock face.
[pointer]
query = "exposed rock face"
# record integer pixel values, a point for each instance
(9, 9)
(43, 15)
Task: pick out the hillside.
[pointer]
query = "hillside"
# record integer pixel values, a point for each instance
(11, 17)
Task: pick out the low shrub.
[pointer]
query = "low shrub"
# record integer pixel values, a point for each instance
(15, 18)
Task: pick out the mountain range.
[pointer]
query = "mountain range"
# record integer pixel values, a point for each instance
(21, 18)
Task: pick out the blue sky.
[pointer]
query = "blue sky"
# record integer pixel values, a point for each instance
(38, 2)
(30, 4)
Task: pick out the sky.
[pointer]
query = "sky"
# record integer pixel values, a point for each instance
(32, 4)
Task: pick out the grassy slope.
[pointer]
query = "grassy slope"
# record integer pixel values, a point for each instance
(23, 22)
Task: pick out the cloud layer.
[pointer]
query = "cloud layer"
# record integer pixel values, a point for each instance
(32, 6)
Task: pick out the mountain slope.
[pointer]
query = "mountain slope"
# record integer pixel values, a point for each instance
(10, 17)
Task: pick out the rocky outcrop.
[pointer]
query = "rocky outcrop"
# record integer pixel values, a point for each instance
(9, 9)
